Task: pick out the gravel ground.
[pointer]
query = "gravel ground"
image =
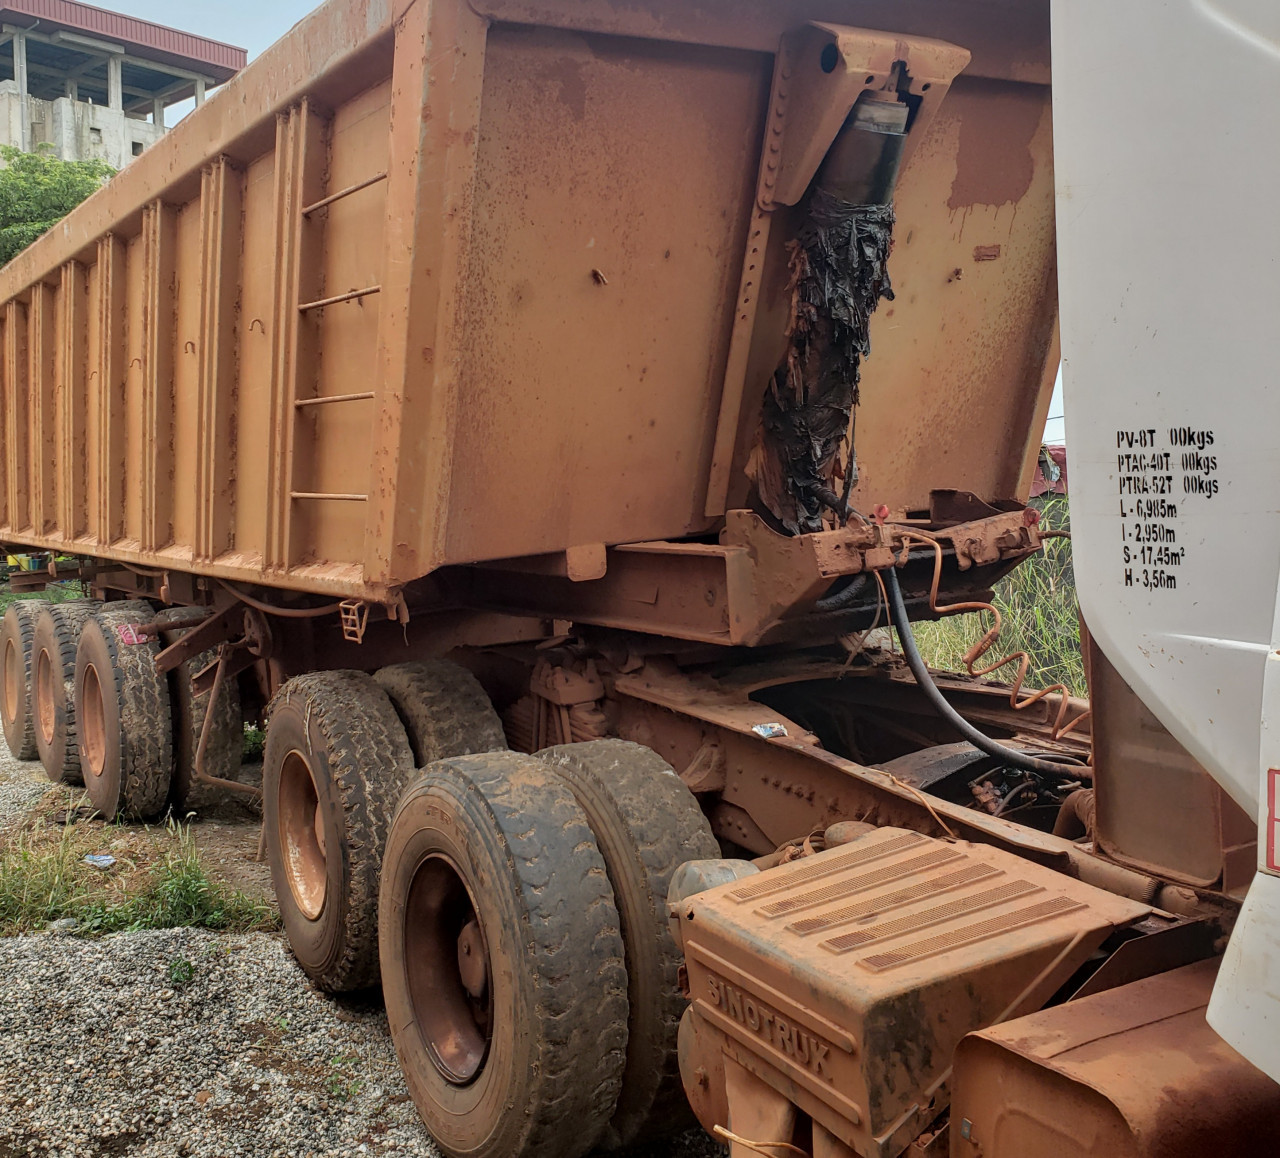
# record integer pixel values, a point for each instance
(22, 783)
(107, 1048)
(189, 1043)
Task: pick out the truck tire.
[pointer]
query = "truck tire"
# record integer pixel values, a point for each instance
(123, 724)
(502, 961)
(226, 738)
(336, 762)
(444, 709)
(17, 709)
(53, 680)
(647, 823)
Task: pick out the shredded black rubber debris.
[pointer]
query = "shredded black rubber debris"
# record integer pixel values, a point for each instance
(839, 275)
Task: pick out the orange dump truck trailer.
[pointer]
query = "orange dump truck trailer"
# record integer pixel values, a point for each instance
(527, 408)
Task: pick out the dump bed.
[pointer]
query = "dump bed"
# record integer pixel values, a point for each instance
(441, 282)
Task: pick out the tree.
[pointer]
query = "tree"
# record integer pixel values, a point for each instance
(37, 191)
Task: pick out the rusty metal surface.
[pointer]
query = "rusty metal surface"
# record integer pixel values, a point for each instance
(755, 586)
(1158, 943)
(568, 215)
(776, 787)
(811, 98)
(844, 981)
(1135, 1072)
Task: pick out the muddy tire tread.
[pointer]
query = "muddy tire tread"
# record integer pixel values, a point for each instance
(574, 945)
(145, 723)
(26, 611)
(444, 709)
(370, 753)
(647, 823)
(67, 620)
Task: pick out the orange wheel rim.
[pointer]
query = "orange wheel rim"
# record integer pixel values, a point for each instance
(46, 711)
(93, 722)
(302, 836)
(447, 967)
(13, 679)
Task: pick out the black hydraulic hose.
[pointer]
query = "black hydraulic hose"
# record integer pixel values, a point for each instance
(1009, 756)
(846, 596)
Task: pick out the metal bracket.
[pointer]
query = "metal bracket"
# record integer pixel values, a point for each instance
(216, 629)
(821, 71)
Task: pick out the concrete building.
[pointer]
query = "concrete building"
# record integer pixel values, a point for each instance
(93, 84)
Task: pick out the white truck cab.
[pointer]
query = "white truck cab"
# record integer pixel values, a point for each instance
(1166, 127)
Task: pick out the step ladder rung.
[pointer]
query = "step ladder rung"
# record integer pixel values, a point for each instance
(349, 296)
(341, 193)
(325, 400)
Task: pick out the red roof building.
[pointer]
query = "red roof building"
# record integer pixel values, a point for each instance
(66, 67)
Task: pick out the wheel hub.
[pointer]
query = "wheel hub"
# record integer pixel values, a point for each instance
(302, 835)
(447, 960)
(473, 960)
(12, 680)
(93, 722)
(45, 708)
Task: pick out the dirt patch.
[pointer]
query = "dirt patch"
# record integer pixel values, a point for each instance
(228, 837)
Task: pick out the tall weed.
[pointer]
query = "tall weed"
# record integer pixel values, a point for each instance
(155, 884)
(1041, 617)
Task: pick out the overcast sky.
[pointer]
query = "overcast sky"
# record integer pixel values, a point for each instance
(251, 24)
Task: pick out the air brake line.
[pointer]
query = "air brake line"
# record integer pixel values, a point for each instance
(1009, 756)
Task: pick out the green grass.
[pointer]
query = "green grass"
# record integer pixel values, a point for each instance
(55, 593)
(1041, 617)
(255, 740)
(158, 882)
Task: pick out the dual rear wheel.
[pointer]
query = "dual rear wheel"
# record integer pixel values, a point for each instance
(79, 689)
(122, 715)
(124, 728)
(512, 905)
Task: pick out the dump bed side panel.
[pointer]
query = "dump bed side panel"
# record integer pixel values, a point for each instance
(587, 269)
(439, 282)
(165, 355)
(613, 194)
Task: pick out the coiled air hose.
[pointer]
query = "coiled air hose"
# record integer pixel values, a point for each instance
(1010, 756)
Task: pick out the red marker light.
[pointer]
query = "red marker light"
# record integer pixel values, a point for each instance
(1273, 819)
